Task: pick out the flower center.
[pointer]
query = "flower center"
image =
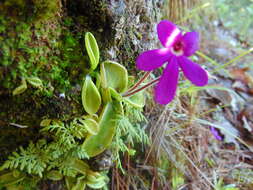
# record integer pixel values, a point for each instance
(177, 48)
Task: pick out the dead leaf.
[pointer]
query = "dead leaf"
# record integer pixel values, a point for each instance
(240, 86)
(242, 75)
(223, 96)
(247, 112)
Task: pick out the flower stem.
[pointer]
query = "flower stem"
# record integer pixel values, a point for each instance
(141, 88)
(138, 83)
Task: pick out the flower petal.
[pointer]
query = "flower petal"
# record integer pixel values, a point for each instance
(152, 59)
(216, 134)
(191, 43)
(193, 71)
(165, 90)
(168, 33)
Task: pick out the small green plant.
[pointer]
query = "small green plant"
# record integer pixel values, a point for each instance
(220, 186)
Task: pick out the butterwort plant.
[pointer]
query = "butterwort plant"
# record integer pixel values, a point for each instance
(106, 113)
(177, 47)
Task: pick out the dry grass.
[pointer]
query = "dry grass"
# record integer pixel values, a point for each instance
(184, 154)
(183, 148)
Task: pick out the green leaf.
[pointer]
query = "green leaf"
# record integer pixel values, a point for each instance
(54, 175)
(115, 94)
(35, 81)
(70, 182)
(177, 179)
(80, 166)
(91, 98)
(45, 122)
(91, 125)
(20, 89)
(96, 144)
(94, 117)
(137, 100)
(80, 184)
(97, 185)
(115, 76)
(10, 178)
(106, 94)
(92, 49)
(103, 76)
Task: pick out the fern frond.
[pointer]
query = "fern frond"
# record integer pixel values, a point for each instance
(134, 114)
(78, 152)
(128, 132)
(132, 132)
(62, 133)
(33, 160)
(30, 183)
(78, 128)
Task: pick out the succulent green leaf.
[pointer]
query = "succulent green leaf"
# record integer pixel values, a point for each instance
(91, 125)
(106, 95)
(54, 175)
(115, 94)
(115, 76)
(10, 178)
(94, 177)
(137, 100)
(98, 80)
(94, 117)
(96, 144)
(91, 98)
(70, 182)
(20, 89)
(92, 49)
(97, 185)
(80, 184)
(80, 166)
(45, 122)
(103, 76)
(35, 81)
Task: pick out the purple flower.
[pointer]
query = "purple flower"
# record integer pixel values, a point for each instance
(216, 134)
(177, 47)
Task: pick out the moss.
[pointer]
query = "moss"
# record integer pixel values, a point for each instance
(46, 9)
(30, 10)
(46, 50)
(52, 54)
